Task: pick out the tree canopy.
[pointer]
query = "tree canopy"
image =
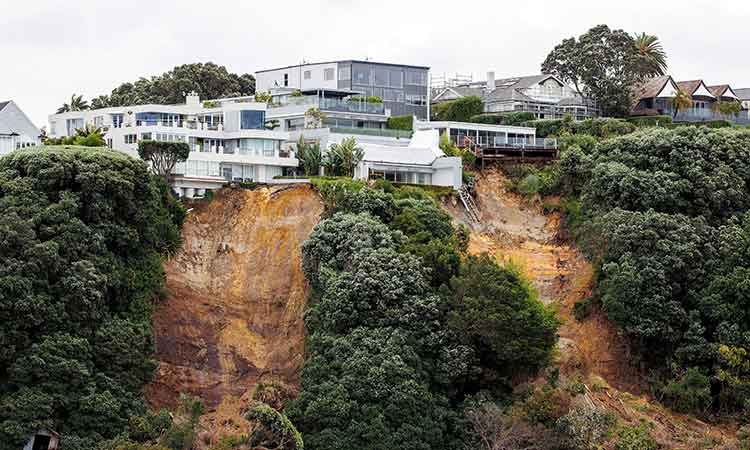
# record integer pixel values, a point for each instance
(605, 65)
(209, 80)
(84, 233)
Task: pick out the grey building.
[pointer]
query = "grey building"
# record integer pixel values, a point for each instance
(403, 88)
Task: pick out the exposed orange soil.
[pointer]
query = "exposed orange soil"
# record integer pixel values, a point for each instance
(516, 231)
(234, 315)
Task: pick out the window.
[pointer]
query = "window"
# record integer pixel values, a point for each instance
(416, 78)
(73, 125)
(395, 78)
(380, 76)
(416, 99)
(307, 75)
(328, 74)
(286, 80)
(252, 120)
(53, 128)
(131, 138)
(345, 73)
(117, 120)
(361, 75)
(145, 136)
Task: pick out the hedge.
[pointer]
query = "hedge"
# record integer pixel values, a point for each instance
(401, 123)
(511, 118)
(599, 127)
(650, 121)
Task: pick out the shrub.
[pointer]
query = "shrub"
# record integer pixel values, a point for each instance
(512, 118)
(547, 127)
(461, 110)
(636, 438)
(586, 427)
(401, 123)
(530, 185)
(273, 429)
(650, 121)
(691, 392)
(545, 405)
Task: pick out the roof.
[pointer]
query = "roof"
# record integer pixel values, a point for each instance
(719, 89)
(3, 104)
(511, 88)
(344, 61)
(743, 94)
(651, 87)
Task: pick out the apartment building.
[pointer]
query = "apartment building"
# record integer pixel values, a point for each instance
(546, 96)
(403, 88)
(228, 138)
(654, 96)
(16, 129)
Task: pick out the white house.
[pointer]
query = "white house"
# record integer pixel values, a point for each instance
(16, 129)
(228, 138)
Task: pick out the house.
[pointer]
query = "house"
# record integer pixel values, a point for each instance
(16, 129)
(655, 96)
(402, 88)
(228, 138)
(421, 162)
(744, 96)
(43, 440)
(546, 96)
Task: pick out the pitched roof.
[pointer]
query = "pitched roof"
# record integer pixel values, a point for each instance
(743, 94)
(651, 87)
(718, 90)
(3, 104)
(511, 88)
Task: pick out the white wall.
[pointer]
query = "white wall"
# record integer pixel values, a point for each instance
(265, 81)
(13, 119)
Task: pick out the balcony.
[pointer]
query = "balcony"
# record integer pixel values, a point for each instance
(529, 142)
(331, 104)
(400, 134)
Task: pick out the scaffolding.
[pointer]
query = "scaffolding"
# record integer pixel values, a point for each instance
(445, 81)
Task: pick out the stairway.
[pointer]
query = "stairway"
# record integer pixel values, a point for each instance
(471, 207)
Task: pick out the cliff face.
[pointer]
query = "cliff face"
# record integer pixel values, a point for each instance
(234, 314)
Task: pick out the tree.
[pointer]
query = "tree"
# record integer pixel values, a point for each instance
(461, 110)
(209, 80)
(602, 64)
(347, 155)
(651, 53)
(497, 313)
(273, 430)
(163, 156)
(77, 103)
(726, 108)
(86, 232)
(309, 156)
(680, 102)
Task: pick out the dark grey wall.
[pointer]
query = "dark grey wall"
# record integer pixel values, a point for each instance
(401, 87)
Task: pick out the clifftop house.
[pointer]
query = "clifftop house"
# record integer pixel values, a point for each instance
(16, 129)
(655, 95)
(546, 96)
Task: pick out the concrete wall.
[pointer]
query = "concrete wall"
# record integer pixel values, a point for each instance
(265, 81)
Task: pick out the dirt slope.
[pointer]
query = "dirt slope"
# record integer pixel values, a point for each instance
(234, 315)
(516, 231)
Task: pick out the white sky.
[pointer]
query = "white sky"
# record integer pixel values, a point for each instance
(51, 49)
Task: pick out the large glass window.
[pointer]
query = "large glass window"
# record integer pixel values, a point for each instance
(395, 78)
(328, 74)
(117, 120)
(73, 125)
(380, 76)
(345, 73)
(416, 78)
(361, 75)
(259, 147)
(252, 120)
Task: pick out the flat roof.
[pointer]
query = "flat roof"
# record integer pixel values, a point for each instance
(345, 61)
(471, 126)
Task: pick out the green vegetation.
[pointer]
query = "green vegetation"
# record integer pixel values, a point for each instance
(85, 232)
(461, 110)
(88, 136)
(163, 156)
(512, 118)
(207, 79)
(341, 159)
(401, 123)
(368, 99)
(393, 352)
(605, 65)
(310, 156)
(77, 103)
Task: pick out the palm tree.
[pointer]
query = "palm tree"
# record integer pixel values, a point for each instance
(309, 157)
(77, 103)
(652, 56)
(680, 102)
(347, 154)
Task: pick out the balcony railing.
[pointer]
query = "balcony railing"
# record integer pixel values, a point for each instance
(332, 104)
(501, 141)
(401, 134)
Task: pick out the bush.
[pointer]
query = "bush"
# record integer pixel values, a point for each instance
(273, 429)
(512, 118)
(401, 123)
(650, 121)
(461, 110)
(691, 392)
(530, 185)
(545, 405)
(586, 427)
(636, 438)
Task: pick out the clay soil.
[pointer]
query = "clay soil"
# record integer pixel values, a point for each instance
(234, 313)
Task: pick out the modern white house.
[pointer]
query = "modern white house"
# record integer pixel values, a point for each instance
(16, 129)
(228, 138)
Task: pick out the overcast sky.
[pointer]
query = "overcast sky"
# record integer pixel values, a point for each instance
(51, 49)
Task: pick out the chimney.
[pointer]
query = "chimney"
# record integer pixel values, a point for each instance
(192, 99)
(490, 81)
